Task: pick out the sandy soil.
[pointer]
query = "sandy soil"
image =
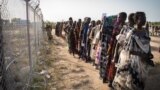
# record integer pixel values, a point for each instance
(153, 82)
(70, 73)
(155, 44)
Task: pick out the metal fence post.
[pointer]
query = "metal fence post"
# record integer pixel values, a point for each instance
(29, 45)
(2, 66)
(35, 28)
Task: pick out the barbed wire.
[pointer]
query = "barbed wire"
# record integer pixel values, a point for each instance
(3, 15)
(3, 2)
(34, 3)
(9, 68)
(4, 12)
(3, 9)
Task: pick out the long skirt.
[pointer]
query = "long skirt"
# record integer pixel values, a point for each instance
(98, 54)
(131, 72)
(93, 52)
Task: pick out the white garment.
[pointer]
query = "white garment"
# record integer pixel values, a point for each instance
(123, 79)
(96, 38)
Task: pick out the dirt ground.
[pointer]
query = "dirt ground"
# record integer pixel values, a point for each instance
(153, 82)
(70, 73)
(155, 44)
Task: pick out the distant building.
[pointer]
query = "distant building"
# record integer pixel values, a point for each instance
(18, 21)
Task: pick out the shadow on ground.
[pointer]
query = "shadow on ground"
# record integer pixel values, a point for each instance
(153, 82)
(154, 48)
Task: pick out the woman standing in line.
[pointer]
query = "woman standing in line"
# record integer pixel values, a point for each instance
(135, 57)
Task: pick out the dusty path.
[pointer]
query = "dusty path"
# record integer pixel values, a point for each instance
(153, 82)
(70, 73)
(155, 43)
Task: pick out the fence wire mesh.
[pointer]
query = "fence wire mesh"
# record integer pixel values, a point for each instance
(14, 52)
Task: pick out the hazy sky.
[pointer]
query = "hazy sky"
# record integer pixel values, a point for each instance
(57, 10)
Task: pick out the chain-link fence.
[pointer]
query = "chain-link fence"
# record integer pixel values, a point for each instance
(21, 36)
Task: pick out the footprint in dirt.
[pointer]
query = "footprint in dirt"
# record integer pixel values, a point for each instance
(77, 70)
(79, 83)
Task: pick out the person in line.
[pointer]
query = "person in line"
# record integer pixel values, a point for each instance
(106, 33)
(135, 57)
(94, 37)
(77, 31)
(91, 26)
(57, 29)
(111, 69)
(68, 28)
(49, 31)
(72, 39)
(84, 31)
(80, 38)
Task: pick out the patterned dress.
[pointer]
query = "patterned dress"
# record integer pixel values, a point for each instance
(77, 32)
(105, 38)
(134, 61)
(95, 38)
(97, 53)
(111, 69)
